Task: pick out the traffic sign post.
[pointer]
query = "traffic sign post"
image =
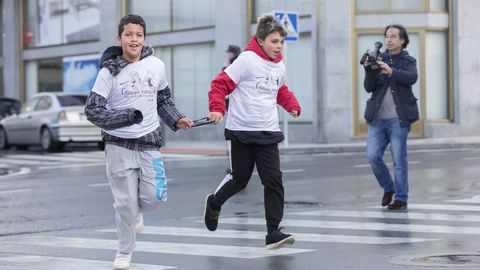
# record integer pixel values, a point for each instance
(290, 21)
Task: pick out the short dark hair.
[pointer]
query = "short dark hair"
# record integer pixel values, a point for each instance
(132, 18)
(268, 24)
(403, 33)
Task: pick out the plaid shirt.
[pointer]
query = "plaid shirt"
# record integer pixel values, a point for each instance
(108, 119)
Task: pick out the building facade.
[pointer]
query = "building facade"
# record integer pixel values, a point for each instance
(54, 45)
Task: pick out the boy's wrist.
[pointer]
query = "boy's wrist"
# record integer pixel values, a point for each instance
(135, 117)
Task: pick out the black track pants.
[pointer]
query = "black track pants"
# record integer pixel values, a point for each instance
(267, 160)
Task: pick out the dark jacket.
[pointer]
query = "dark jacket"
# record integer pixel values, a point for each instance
(404, 75)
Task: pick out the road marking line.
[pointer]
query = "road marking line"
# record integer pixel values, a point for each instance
(471, 158)
(23, 170)
(244, 252)
(3, 192)
(388, 164)
(446, 207)
(99, 185)
(302, 237)
(285, 171)
(70, 165)
(32, 262)
(390, 215)
(474, 199)
(52, 158)
(27, 162)
(368, 226)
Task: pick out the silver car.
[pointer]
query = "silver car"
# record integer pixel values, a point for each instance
(50, 119)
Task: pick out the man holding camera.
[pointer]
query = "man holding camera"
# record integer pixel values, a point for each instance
(390, 111)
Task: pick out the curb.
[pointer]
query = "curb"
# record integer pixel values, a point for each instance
(329, 148)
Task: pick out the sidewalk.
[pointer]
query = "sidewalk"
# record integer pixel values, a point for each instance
(220, 147)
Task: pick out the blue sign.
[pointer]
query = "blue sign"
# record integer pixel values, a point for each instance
(290, 21)
(80, 72)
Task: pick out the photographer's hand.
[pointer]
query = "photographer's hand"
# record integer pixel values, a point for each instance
(385, 68)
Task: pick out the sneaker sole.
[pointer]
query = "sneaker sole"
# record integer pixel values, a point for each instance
(397, 209)
(285, 242)
(205, 213)
(121, 267)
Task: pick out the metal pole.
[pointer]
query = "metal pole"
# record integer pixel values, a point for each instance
(285, 113)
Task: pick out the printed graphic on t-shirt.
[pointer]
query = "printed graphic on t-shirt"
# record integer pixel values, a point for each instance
(268, 83)
(138, 86)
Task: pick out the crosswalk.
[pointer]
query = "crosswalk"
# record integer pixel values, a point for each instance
(77, 159)
(242, 237)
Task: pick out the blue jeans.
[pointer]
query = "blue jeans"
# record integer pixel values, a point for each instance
(380, 133)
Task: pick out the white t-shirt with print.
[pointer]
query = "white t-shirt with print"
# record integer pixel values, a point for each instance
(135, 87)
(253, 104)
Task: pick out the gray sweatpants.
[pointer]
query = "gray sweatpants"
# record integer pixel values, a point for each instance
(138, 183)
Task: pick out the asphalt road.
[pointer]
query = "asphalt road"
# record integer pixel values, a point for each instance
(58, 212)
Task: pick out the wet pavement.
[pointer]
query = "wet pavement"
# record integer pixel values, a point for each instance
(60, 213)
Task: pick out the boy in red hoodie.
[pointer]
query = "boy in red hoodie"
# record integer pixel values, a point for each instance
(255, 83)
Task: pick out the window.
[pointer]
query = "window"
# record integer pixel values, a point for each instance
(298, 62)
(192, 13)
(43, 104)
(165, 54)
(436, 79)
(192, 73)
(156, 13)
(303, 7)
(1, 36)
(72, 100)
(29, 105)
(53, 22)
(366, 6)
(169, 15)
(43, 76)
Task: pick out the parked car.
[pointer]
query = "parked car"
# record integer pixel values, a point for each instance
(9, 106)
(49, 119)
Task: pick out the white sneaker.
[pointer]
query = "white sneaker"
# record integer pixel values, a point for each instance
(122, 260)
(139, 223)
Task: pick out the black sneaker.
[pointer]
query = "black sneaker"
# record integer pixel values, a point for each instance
(387, 198)
(211, 216)
(278, 239)
(397, 205)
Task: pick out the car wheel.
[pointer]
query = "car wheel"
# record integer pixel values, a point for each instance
(46, 140)
(3, 139)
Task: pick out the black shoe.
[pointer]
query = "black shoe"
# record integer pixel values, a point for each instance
(211, 216)
(387, 198)
(398, 205)
(278, 239)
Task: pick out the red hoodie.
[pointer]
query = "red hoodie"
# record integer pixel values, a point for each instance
(223, 85)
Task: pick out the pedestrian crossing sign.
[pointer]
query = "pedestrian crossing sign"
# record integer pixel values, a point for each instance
(290, 21)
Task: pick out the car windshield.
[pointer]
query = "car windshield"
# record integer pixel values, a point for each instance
(72, 100)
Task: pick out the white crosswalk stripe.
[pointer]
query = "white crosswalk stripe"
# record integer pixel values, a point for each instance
(30, 262)
(391, 215)
(369, 226)
(302, 237)
(245, 252)
(246, 235)
(81, 159)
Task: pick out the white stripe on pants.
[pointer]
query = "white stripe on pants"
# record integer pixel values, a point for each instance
(134, 177)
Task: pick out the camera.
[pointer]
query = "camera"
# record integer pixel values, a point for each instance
(371, 57)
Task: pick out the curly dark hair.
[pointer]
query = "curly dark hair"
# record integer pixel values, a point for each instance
(268, 24)
(134, 19)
